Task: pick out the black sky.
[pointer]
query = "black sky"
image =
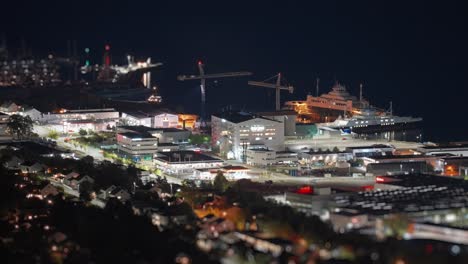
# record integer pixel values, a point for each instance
(413, 53)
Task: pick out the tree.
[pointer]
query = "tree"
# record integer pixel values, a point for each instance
(220, 182)
(86, 188)
(82, 132)
(20, 126)
(53, 134)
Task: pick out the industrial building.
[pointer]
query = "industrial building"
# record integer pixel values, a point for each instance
(371, 151)
(151, 119)
(164, 135)
(457, 148)
(389, 168)
(287, 117)
(235, 132)
(71, 121)
(185, 162)
(137, 146)
(230, 172)
(265, 157)
(326, 157)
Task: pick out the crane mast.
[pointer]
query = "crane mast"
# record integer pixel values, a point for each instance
(202, 77)
(277, 86)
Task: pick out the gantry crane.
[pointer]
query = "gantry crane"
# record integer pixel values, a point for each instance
(276, 86)
(202, 77)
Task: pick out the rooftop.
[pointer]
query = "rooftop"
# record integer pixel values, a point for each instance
(419, 192)
(134, 135)
(261, 150)
(451, 145)
(148, 113)
(386, 157)
(185, 156)
(239, 117)
(145, 129)
(98, 110)
(375, 146)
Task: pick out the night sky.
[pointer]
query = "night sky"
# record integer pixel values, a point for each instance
(414, 54)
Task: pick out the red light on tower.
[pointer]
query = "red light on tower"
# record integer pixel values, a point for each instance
(200, 62)
(107, 59)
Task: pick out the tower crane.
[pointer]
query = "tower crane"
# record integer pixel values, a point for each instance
(276, 86)
(202, 77)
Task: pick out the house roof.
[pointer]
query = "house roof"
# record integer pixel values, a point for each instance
(117, 190)
(72, 174)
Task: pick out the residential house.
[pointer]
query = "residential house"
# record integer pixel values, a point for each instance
(49, 189)
(14, 163)
(31, 167)
(73, 180)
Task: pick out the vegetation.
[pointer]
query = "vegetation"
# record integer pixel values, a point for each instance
(86, 188)
(20, 126)
(220, 182)
(199, 139)
(82, 132)
(53, 134)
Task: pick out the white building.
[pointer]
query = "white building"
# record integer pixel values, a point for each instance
(261, 157)
(71, 121)
(151, 119)
(327, 157)
(371, 151)
(287, 117)
(137, 146)
(33, 113)
(185, 162)
(235, 132)
(265, 157)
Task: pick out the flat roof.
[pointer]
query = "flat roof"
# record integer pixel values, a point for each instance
(419, 192)
(168, 129)
(448, 146)
(186, 156)
(145, 129)
(150, 113)
(99, 110)
(239, 117)
(136, 135)
(400, 157)
(233, 167)
(375, 146)
(286, 152)
(261, 150)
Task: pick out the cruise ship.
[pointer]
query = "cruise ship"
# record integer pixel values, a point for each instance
(367, 120)
(327, 107)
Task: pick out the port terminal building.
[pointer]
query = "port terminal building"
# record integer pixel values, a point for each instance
(233, 133)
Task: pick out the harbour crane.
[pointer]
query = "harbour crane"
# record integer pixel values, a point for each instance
(202, 77)
(276, 86)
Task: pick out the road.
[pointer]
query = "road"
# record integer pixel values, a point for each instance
(43, 131)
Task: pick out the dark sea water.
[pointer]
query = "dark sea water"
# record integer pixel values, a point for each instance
(413, 135)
